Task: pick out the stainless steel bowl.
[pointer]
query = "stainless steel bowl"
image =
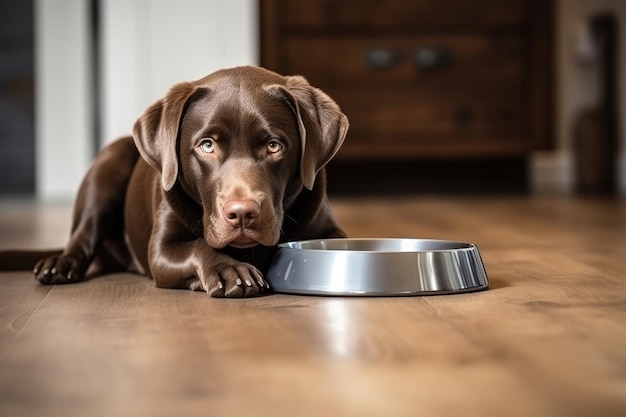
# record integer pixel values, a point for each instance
(377, 267)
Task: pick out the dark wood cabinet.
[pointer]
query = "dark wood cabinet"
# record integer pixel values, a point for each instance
(423, 78)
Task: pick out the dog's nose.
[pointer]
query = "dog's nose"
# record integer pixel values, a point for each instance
(241, 212)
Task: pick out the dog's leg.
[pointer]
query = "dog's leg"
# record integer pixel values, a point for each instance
(180, 260)
(98, 215)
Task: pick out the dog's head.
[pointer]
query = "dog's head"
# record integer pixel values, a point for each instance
(242, 143)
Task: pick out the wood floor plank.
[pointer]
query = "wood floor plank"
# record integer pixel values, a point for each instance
(20, 300)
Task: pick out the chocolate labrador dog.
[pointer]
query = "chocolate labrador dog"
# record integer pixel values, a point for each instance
(216, 174)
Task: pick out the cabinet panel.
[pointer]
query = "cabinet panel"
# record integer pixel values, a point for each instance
(389, 13)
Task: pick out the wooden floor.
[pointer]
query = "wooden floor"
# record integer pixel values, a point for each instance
(547, 339)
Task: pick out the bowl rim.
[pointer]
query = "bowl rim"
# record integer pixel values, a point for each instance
(461, 246)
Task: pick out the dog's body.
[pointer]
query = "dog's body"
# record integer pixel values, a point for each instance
(220, 171)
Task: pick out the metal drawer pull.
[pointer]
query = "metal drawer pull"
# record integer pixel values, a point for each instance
(433, 58)
(382, 58)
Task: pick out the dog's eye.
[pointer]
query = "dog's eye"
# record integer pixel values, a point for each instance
(274, 146)
(207, 146)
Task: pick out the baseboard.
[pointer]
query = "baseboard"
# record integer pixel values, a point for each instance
(555, 173)
(551, 173)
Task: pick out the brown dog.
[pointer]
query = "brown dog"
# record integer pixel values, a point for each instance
(220, 171)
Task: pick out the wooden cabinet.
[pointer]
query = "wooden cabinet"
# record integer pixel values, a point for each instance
(423, 78)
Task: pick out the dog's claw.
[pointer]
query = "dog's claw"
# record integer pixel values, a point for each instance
(58, 270)
(234, 281)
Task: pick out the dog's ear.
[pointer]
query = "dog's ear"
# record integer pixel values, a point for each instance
(322, 125)
(156, 131)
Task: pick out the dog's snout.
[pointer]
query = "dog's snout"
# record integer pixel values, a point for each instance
(241, 212)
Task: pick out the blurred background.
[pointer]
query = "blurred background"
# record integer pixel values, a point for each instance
(451, 96)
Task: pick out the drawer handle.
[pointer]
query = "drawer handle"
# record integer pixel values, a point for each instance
(433, 58)
(382, 58)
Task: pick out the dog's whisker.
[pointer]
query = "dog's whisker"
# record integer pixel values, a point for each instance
(291, 218)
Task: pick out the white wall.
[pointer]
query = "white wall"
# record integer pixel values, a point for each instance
(63, 135)
(147, 45)
(575, 90)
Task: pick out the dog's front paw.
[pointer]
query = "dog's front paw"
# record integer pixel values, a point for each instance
(234, 280)
(58, 270)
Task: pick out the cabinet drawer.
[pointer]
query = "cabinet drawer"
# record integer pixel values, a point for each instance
(408, 116)
(322, 13)
(401, 124)
(471, 63)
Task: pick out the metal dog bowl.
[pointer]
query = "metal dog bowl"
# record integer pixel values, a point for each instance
(377, 267)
